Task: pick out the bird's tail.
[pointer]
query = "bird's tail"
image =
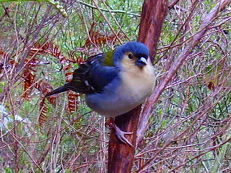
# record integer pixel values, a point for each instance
(58, 90)
(79, 82)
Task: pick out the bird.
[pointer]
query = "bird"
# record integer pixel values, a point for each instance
(115, 82)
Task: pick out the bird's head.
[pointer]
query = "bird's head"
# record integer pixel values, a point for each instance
(131, 54)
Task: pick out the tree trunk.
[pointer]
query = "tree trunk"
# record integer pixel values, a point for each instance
(152, 18)
(121, 156)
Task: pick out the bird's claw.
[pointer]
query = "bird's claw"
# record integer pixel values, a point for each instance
(121, 134)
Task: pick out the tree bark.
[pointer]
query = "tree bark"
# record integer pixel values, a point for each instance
(152, 18)
(121, 156)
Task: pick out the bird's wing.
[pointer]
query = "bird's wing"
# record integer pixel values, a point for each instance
(92, 76)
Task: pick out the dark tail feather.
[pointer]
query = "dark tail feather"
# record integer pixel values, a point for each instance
(58, 90)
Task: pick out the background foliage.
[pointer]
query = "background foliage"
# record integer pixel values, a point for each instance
(189, 130)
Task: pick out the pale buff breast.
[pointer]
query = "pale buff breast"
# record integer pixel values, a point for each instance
(137, 83)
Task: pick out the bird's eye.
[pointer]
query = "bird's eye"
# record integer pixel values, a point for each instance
(130, 56)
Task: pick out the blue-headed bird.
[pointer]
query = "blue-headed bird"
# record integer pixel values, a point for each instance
(114, 83)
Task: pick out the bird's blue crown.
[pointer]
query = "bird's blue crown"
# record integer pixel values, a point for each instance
(134, 47)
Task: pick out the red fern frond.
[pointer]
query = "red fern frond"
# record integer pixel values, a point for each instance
(44, 87)
(98, 39)
(72, 101)
(43, 111)
(3, 55)
(77, 60)
(29, 81)
(68, 76)
(29, 76)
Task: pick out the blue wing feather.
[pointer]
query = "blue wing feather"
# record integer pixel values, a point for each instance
(92, 76)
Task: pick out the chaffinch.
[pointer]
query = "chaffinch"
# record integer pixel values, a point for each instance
(114, 83)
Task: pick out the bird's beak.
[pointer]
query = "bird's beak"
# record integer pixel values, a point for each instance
(141, 62)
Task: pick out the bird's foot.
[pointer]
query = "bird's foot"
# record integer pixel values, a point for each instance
(121, 134)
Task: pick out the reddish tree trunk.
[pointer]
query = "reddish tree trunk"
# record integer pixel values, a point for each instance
(121, 156)
(152, 18)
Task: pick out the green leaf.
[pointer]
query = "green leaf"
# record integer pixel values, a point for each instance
(164, 123)
(8, 170)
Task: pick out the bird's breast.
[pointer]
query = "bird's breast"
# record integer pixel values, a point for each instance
(137, 83)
